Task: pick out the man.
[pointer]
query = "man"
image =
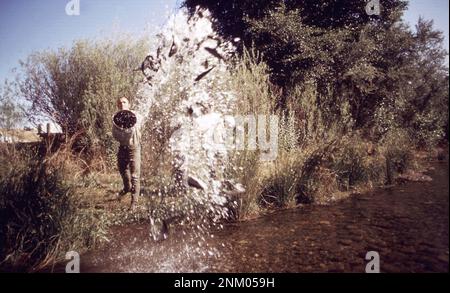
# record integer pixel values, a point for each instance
(127, 131)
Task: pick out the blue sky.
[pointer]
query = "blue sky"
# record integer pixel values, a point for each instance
(34, 25)
(437, 10)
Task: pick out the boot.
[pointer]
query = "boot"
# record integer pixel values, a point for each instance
(120, 195)
(133, 205)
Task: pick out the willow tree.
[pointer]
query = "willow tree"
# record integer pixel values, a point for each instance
(77, 87)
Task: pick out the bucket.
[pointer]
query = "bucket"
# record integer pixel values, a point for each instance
(125, 119)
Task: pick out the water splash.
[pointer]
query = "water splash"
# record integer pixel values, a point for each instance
(188, 89)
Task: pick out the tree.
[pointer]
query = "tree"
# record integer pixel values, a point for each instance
(370, 70)
(11, 114)
(78, 87)
(233, 15)
(428, 118)
(302, 38)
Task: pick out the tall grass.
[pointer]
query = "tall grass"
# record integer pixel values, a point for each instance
(41, 214)
(320, 157)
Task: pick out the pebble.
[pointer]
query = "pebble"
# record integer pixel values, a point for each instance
(346, 242)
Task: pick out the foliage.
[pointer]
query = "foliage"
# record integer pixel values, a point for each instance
(40, 213)
(371, 72)
(78, 87)
(11, 113)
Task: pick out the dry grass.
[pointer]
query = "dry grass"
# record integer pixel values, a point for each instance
(42, 213)
(318, 161)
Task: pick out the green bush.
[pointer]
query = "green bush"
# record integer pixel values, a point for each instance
(279, 187)
(353, 163)
(397, 148)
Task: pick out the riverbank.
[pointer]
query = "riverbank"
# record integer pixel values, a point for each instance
(407, 225)
(82, 215)
(99, 190)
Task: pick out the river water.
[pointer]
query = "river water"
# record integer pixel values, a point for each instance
(407, 225)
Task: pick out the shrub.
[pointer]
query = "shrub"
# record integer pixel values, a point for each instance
(354, 162)
(397, 148)
(77, 87)
(40, 214)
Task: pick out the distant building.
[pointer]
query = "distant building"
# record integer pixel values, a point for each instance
(18, 136)
(54, 138)
(43, 142)
(29, 135)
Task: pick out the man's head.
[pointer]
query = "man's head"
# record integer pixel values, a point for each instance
(123, 103)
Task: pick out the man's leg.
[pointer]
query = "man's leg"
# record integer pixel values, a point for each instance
(135, 168)
(123, 162)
